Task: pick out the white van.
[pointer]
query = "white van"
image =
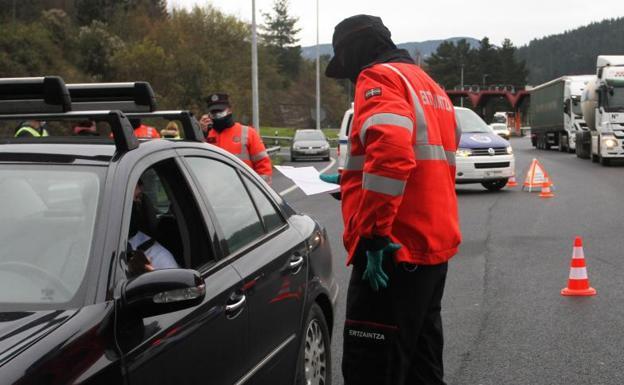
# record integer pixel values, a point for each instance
(343, 137)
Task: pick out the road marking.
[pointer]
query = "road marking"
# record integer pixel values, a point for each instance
(294, 187)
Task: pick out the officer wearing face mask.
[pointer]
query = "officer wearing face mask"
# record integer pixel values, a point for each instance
(240, 140)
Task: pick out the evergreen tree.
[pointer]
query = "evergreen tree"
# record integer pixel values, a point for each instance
(486, 64)
(280, 33)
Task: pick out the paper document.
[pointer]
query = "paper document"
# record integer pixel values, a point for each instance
(307, 179)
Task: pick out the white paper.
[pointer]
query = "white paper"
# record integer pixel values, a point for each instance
(307, 179)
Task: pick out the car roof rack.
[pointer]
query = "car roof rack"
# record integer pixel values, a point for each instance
(126, 97)
(123, 133)
(135, 99)
(190, 125)
(47, 94)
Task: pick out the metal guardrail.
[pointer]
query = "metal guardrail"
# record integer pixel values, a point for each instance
(333, 142)
(273, 150)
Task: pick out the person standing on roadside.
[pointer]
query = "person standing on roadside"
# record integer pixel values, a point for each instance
(240, 140)
(399, 209)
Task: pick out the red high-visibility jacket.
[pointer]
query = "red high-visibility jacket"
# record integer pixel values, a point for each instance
(246, 144)
(146, 132)
(399, 176)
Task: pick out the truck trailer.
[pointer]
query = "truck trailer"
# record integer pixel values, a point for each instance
(555, 112)
(603, 109)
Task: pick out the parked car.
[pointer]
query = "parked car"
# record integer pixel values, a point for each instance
(501, 130)
(343, 137)
(310, 144)
(249, 295)
(483, 156)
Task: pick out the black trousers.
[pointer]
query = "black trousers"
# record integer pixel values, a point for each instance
(394, 336)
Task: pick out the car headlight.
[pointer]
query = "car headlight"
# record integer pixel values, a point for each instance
(509, 150)
(463, 152)
(610, 143)
(325, 147)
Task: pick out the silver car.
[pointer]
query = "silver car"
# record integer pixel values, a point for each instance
(309, 144)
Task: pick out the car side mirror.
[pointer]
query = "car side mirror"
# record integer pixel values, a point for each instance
(163, 291)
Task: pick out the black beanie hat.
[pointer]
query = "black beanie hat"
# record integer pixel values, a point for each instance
(351, 28)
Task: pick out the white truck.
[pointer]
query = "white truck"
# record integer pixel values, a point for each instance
(603, 109)
(555, 112)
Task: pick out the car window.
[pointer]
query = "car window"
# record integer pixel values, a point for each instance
(270, 217)
(154, 188)
(47, 220)
(166, 223)
(468, 121)
(226, 194)
(309, 135)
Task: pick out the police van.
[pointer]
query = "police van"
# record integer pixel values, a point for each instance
(482, 156)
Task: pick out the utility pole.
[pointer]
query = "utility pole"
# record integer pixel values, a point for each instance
(318, 71)
(461, 99)
(254, 69)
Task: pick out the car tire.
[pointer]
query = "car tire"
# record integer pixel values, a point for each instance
(495, 185)
(314, 366)
(293, 159)
(594, 158)
(606, 162)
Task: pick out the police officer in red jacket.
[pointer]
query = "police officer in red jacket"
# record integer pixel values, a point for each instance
(240, 140)
(399, 209)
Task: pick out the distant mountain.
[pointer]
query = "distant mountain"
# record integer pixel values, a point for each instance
(426, 48)
(573, 52)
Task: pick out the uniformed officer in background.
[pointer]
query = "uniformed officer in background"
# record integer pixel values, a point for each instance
(240, 140)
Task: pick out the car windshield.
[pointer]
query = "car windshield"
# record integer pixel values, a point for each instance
(615, 101)
(499, 119)
(468, 121)
(309, 135)
(47, 218)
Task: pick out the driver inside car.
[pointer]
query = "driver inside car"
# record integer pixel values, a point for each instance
(145, 253)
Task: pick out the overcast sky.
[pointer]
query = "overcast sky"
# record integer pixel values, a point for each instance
(417, 20)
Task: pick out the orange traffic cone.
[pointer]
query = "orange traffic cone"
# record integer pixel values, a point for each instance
(512, 181)
(578, 282)
(546, 191)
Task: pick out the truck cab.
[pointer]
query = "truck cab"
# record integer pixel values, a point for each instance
(603, 108)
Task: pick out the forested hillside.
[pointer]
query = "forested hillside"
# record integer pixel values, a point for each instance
(572, 52)
(184, 54)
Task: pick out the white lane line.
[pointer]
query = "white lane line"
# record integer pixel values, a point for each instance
(294, 187)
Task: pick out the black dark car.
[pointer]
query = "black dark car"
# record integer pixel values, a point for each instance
(245, 293)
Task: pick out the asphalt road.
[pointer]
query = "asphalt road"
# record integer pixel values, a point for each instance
(505, 321)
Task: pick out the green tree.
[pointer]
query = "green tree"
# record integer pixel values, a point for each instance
(96, 47)
(487, 63)
(280, 33)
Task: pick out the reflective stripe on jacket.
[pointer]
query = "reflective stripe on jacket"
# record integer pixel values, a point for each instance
(246, 144)
(29, 131)
(399, 176)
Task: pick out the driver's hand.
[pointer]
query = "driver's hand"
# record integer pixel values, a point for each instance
(139, 263)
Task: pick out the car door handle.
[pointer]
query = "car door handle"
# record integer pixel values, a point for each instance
(234, 307)
(296, 262)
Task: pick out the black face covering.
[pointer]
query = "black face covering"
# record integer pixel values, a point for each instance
(223, 123)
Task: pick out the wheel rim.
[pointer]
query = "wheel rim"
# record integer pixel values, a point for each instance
(315, 357)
